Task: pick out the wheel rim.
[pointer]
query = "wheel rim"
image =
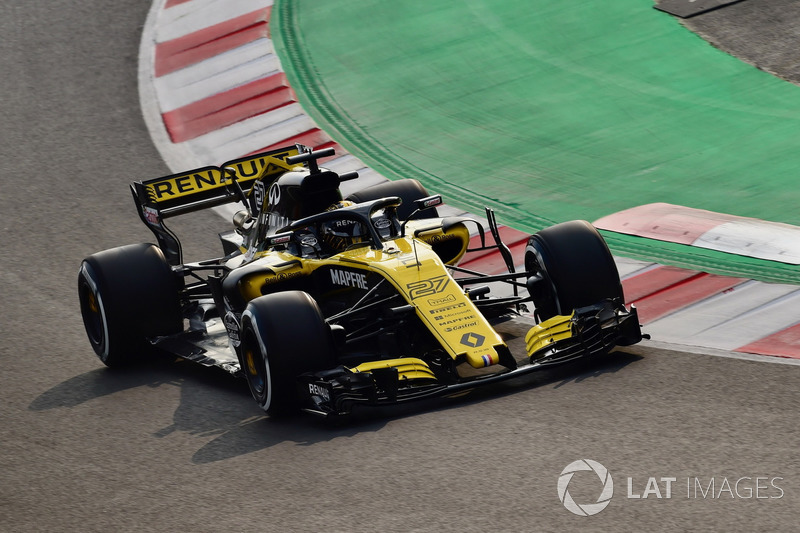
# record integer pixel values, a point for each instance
(255, 368)
(544, 293)
(93, 318)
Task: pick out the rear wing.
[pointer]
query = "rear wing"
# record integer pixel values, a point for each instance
(202, 188)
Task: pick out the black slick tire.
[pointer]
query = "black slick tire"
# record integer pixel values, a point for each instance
(284, 335)
(127, 295)
(577, 267)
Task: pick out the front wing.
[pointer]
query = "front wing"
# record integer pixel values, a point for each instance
(589, 332)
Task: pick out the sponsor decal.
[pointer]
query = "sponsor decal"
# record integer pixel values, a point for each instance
(274, 194)
(258, 193)
(308, 240)
(427, 287)
(441, 301)
(457, 313)
(349, 279)
(192, 182)
(322, 392)
(207, 178)
(433, 239)
(264, 166)
(454, 320)
(282, 276)
(447, 308)
(382, 223)
(282, 238)
(473, 340)
(233, 327)
(433, 201)
(151, 215)
(274, 220)
(346, 223)
(247, 169)
(464, 326)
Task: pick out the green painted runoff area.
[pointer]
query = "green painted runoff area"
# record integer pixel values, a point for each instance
(551, 111)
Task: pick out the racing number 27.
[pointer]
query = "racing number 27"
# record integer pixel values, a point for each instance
(427, 287)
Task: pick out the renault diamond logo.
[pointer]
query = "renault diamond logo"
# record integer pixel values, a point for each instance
(473, 340)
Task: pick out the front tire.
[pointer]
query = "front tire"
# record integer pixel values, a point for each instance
(127, 295)
(577, 269)
(283, 335)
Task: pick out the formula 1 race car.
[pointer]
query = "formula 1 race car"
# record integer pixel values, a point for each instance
(323, 302)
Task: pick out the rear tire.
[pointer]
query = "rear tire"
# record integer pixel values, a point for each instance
(577, 267)
(128, 294)
(283, 335)
(409, 190)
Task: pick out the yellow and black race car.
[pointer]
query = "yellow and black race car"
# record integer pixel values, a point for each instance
(323, 302)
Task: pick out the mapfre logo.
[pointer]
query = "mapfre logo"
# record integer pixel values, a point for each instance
(585, 509)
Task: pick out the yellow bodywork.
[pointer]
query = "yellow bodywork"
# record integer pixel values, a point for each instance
(407, 368)
(416, 272)
(549, 332)
(450, 245)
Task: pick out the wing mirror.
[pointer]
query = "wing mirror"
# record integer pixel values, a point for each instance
(425, 203)
(422, 203)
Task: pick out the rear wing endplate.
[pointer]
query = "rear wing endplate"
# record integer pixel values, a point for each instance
(202, 188)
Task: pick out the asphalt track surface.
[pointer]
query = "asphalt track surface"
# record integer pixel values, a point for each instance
(174, 447)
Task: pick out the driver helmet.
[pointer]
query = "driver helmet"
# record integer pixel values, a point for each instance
(339, 235)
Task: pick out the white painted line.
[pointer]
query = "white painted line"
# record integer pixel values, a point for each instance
(250, 135)
(189, 17)
(226, 71)
(349, 163)
(343, 163)
(755, 238)
(703, 322)
(645, 345)
(366, 178)
(632, 267)
(752, 325)
(176, 157)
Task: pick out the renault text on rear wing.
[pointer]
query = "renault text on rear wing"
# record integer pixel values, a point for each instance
(202, 188)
